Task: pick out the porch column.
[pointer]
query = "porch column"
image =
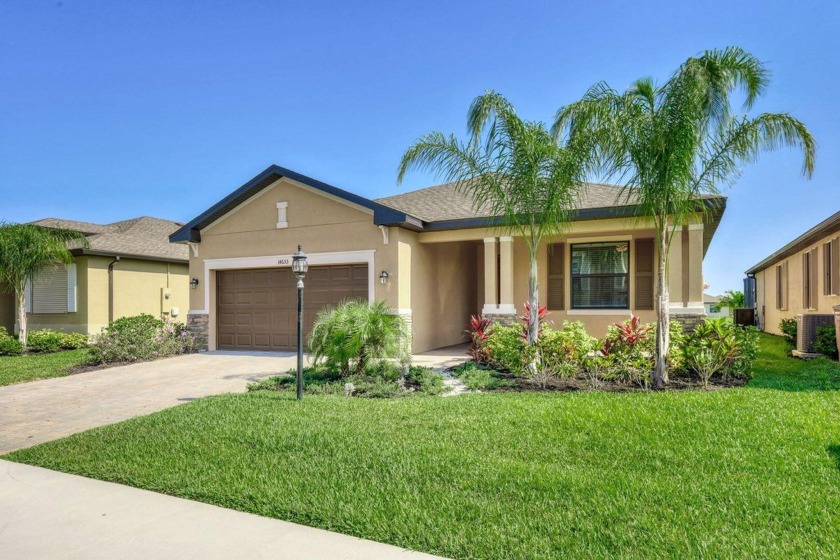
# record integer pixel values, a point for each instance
(506, 305)
(490, 290)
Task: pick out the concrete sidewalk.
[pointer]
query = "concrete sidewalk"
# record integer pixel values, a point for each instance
(46, 514)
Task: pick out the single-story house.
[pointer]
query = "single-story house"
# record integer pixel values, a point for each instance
(803, 277)
(430, 254)
(128, 268)
(713, 307)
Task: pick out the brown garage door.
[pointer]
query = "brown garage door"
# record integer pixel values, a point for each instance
(256, 309)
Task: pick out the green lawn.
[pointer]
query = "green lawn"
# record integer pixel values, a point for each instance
(752, 472)
(18, 369)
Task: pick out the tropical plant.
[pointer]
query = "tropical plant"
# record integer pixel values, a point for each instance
(826, 341)
(732, 300)
(507, 350)
(627, 336)
(45, 340)
(27, 250)
(788, 329)
(512, 169)
(348, 337)
(542, 320)
(9, 345)
(478, 328)
(141, 337)
(676, 143)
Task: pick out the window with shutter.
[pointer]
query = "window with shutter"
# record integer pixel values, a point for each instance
(644, 273)
(809, 279)
(53, 291)
(600, 275)
(814, 280)
(826, 253)
(556, 282)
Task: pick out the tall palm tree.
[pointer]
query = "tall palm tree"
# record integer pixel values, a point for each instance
(25, 251)
(732, 300)
(676, 143)
(511, 167)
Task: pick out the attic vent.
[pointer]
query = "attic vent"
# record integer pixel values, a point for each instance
(281, 215)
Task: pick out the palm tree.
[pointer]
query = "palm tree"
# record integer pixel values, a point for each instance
(511, 167)
(732, 300)
(25, 251)
(674, 144)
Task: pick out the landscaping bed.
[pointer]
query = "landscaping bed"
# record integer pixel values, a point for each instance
(746, 472)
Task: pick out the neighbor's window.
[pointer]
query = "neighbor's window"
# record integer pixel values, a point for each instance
(601, 275)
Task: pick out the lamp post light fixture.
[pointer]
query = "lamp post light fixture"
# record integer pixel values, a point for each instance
(299, 267)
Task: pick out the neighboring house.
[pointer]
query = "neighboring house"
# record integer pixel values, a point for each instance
(429, 254)
(801, 277)
(713, 308)
(129, 268)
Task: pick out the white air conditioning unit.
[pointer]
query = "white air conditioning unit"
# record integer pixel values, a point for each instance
(806, 330)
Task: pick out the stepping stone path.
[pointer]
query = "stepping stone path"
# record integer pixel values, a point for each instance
(455, 384)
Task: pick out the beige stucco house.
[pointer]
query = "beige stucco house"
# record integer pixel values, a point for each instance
(128, 268)
(429, 254)
(803, 277)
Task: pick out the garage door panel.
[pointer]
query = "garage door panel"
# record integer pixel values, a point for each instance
(257, 309)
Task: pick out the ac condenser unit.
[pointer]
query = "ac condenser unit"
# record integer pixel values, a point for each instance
(806, 330)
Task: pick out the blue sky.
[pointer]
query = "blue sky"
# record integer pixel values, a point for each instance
(111, 110)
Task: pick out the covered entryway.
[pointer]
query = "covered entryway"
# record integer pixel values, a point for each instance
(256, 308)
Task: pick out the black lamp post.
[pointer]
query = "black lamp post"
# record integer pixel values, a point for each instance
(299, 267)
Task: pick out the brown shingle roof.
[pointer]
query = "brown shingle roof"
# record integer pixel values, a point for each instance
(143, 237)
(445, 202)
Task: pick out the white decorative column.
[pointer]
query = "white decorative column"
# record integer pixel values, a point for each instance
(491, 306)
(506, 305)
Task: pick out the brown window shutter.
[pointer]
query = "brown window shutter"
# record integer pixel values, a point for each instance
(835, 266)
(644, 273)
(814, 280)
(556, 277)
(785, 284)
(826, 260)
(779, 287)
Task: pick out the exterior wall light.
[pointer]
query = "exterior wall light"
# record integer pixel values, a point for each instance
(194, 283)
(383, 277)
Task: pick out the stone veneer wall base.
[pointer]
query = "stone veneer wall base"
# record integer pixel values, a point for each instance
(199, 325)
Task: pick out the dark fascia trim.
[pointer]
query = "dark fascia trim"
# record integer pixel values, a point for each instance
(382, 215)
(96, 253)
(714, 206)
(825, 227)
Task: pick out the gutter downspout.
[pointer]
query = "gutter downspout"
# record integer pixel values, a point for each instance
(111, 289)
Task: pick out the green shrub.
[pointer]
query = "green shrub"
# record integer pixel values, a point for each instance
(425, 380)
(721, 340)
(788, 329)
(477, 377)
(74, 341)
(356, 333)
(45, 340)
(142, 337)
(569, 344)
(10, 346)
(826, 342)
(507, 350)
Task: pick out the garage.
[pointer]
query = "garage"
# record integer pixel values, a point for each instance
(256, 308)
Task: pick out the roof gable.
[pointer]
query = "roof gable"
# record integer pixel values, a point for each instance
(382, 215)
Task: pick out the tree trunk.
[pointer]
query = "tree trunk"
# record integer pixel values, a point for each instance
(21, 310)
(533, 301)
(663, 319)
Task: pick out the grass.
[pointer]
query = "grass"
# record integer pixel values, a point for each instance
(19, 369)
(751, 472)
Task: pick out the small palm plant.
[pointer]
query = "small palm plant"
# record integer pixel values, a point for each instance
(357, 333)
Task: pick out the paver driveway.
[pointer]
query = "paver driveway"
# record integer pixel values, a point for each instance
(40, 411)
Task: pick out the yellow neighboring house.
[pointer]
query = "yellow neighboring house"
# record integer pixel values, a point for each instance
(129, 268)
(803, 277)
(430, 255)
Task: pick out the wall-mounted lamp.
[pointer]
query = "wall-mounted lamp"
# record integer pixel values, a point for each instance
(383, 277)
(194, 283)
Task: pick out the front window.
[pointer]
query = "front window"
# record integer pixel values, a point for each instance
(601, 275)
